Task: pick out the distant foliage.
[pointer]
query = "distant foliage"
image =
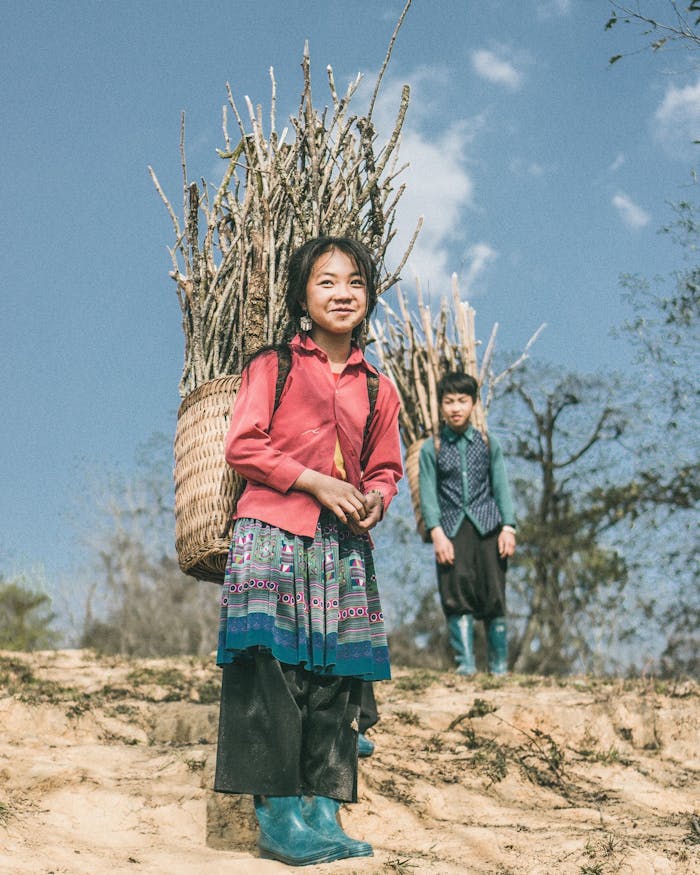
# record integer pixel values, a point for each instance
(140, 603)
(665, 332)
(679, 29)
(606, 559)
(25, 617)
(567, 577)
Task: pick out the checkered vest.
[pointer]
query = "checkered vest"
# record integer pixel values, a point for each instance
(480, 506)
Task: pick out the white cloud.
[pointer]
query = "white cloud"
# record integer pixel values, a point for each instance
(479, 256)
(676, 122)
(617, 163)
(631, 213)
(439, 186)
(553, 8)
(523, 167)
(495, 68)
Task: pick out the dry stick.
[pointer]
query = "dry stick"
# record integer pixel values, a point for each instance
(488, 355)
(183, 166)
(387, 58)
(519, 361)
(389, 148)
(422, 398)
(393, 278)
(266, 239)
(171, 212)
(432, 363)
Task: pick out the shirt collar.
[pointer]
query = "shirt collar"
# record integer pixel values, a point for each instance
(453, 436)
(304, 343)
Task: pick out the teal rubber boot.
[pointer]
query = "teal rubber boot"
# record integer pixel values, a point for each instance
(287, 837)
(365, 747)
(321, 813)
(461, 631)
(497, 645)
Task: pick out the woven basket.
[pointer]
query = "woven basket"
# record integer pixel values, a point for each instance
(206, 488)
(411, 467)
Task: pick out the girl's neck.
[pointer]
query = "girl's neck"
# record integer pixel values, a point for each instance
(336, 347)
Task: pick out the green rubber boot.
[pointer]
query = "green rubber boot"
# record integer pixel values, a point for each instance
(497, 645)
(287, 837)
(321, 813)
(365, 747)
(461, 630)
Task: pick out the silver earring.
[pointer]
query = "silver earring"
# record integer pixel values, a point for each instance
(305, 322)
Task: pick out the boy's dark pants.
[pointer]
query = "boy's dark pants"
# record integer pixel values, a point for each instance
(285, 731)
(476, 583)
(369, 715)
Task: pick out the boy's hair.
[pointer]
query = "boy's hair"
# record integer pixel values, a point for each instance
(457, 383)
(303, 259)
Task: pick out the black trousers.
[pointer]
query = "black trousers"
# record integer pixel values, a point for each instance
(285, 731)
(476, 583)
(368, 707)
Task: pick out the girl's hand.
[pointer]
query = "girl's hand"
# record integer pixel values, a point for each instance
(339, 496)
(374, 506)
(444, 548)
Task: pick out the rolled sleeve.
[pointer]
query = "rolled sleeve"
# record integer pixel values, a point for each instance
(499, 483)
(382, 467)
(427, 485)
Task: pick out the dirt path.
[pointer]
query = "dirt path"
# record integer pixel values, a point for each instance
(106, 765)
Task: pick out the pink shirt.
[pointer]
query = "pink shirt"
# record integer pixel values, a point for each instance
(314, 412)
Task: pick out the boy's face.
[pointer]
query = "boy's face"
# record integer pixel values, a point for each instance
(456, 409)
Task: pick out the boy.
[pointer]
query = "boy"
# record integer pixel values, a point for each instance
(467, 509)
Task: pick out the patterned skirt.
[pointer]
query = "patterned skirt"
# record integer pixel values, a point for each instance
(309, 601)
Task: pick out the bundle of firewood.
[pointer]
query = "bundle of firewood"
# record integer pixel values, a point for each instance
(322, 174)
(416, 349)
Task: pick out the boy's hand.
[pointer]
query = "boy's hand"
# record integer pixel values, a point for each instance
(444, 548)
(506, 543)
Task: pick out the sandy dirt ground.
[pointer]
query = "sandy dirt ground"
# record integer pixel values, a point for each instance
(106, 766)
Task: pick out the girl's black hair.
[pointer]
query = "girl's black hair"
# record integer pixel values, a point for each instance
(302, 262)
(457, 383)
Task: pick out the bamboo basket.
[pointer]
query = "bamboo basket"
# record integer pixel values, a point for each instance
(206, 488)
(411, 469)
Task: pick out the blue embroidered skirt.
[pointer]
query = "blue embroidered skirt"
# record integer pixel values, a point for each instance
(309, 601)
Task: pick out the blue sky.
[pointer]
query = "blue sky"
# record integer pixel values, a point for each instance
(543, 174)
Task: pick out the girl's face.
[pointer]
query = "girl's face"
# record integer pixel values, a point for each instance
(336, 296)
(456, 410)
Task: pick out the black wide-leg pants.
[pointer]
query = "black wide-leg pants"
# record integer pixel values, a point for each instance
(285, 731)
(476, 582)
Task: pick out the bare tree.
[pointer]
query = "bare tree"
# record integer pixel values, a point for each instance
(139, 602)
(567, 429)
(678, 26)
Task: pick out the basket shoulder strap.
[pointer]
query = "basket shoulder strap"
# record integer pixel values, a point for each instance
(372, 392)
(284, 365)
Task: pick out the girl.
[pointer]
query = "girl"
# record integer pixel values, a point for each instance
(301, 621)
